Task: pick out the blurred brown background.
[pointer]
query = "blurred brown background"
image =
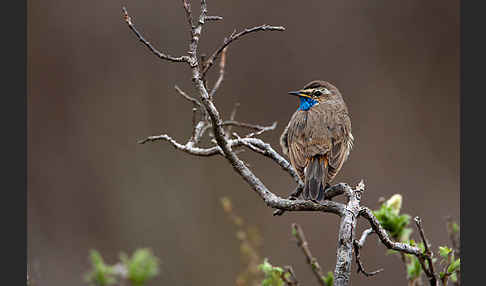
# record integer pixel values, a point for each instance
(94, 90)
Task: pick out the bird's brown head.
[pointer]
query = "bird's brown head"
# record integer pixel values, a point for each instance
(315, 92)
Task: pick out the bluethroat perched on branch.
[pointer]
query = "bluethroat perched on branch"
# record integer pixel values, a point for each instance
(318, 137)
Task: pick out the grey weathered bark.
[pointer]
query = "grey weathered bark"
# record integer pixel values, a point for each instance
(225, 145)
(346, 236)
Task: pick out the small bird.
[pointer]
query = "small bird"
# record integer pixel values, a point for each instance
(318, 137)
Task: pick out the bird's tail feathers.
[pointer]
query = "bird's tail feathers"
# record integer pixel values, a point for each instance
(315, 178)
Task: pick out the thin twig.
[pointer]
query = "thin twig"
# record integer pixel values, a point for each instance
(222, 64)
(232, 118)
(188, 149)
(213, 18)
(304, 245)
(148, 44)
(430, 272)
(364, 236)
(249, 126)
(188, 98)
(264, 129)
(187, 8)
(453, 236)
(267, 150)
(357, 246)
(194, 124)
(293, 279)
(233, 37)
(385, 238)
(233, 112)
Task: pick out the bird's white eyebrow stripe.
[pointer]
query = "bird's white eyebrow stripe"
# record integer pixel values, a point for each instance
(310, 90)
(306, 90)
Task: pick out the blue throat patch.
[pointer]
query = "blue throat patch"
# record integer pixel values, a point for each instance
(306, 103)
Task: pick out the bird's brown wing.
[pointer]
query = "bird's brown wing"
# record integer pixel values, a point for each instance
(324, 132)
(305, 139)
(342, 142)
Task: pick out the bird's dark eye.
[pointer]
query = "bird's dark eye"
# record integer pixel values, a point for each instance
(316, 93)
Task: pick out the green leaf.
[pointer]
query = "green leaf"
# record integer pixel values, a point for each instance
(444, 251)
(455, 227)
(294, 231)
(389, 217)
(142, 266)
(266, 267)
(273, 274)
(414, 269)
(329, 278)
(454, 266)
(101, 274)
(454, 277)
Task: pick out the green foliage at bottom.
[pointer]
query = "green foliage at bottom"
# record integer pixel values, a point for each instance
(101, 274)
(142, 266)
(139, 268)
(273, 274)
(414, 268)
(329, 278)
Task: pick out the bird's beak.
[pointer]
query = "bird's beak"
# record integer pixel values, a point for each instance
(296, 93)
(299, 93)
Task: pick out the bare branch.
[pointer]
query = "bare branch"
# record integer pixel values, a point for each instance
(213, 18)
(195, 36)
(430, 271)
(290, 282)
(187, 9)
(187, 97)
(329, 193)
(267, 150)
(146, 43)
(262, 129)
(188, 149)
(194, 124)
(292, 196)
(254, 144)
(304, 245)
(453, 236)
(385, 238)
(364, 236)
(198, 128)
(347, 229)
(222, 64)
(233, 37)
(233, 112)
(249, 126)
(357, 246)
(402, 247)
(232, 118)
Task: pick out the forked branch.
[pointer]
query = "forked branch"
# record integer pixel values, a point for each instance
(156, 52)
